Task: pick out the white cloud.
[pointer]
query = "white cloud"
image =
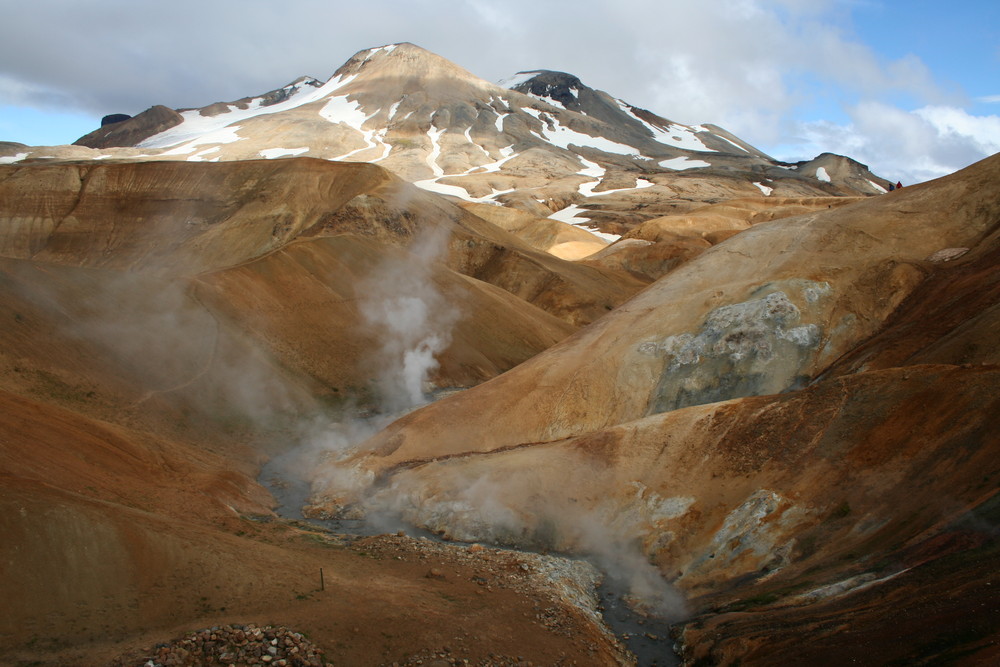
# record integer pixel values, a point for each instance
(16, 91)
(912, 146)
(747, 65)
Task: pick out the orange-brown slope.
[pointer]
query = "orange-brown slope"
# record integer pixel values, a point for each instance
(132, 395)
(660, 245)
(285, 243)
(804, 514)
(722, 494)
(760, 313)
(303, 305)
(395, 212)
(807, 513)
(184, 218)
(716, 222)
(554, 237)
(114, 540)
(952, 317)
(176, 217)
(140, 350)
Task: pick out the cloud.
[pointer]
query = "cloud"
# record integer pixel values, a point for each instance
(696, 61)
(751, 66)
(912, 146)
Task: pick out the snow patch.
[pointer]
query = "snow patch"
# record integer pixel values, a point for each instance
(195, 125)
(517, 79)
(570, 215)
(225, 135)
(434, 135)
(593, 170)
(11, 159)
(272, 153)
(730, 141)
(507, 153)
(822, 175)
(431, 185)
(677, 136)
(682, 163)
(563, 137)
(878, 188)
(373, 52)
(200, 155)
(765, 189)
(379, 138)
(640, 183)
(548, 100)
(343, 111)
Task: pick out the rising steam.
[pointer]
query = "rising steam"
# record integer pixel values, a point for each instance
(409, 318)
(499, 501)
(409, 321)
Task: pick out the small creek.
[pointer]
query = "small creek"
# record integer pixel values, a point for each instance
(647, 637)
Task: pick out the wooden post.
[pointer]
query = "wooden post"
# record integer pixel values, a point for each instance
(322, 584)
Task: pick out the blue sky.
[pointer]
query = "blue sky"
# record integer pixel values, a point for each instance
(958, 41)
(910, 88)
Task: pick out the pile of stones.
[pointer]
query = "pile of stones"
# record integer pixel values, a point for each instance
(226, 645)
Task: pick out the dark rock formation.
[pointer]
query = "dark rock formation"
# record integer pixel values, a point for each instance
(130, 132)
(559, 86)
(113, 118)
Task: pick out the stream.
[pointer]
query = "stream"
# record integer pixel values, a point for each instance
(647, 637)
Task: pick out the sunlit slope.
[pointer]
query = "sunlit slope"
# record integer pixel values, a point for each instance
(542, 142)
(798, 423)
(764, 312)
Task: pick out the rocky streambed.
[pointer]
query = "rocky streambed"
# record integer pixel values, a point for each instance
(232, 645)
(641, 639)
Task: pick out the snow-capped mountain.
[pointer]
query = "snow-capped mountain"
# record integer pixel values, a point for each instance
(542, 141)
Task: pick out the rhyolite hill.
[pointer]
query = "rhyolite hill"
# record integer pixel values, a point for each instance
(542, 142)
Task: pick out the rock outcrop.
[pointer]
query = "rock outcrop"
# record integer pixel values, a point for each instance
(131, 130)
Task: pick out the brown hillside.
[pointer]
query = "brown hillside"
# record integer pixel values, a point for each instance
(779, 426)
(168, 327)
(781, 298)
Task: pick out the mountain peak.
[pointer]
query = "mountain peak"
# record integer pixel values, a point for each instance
(403, 59)
(559, 87)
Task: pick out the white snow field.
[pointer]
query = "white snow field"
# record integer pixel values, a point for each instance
(272, 153)
(196, 126)
(682, 163)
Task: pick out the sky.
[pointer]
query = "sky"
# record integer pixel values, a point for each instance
(909, 87)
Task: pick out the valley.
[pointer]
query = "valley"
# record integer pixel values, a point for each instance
(759, 400)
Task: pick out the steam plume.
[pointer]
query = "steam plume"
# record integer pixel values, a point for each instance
(411, 319)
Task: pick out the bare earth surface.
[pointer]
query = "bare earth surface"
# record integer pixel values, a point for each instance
(769, 411)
